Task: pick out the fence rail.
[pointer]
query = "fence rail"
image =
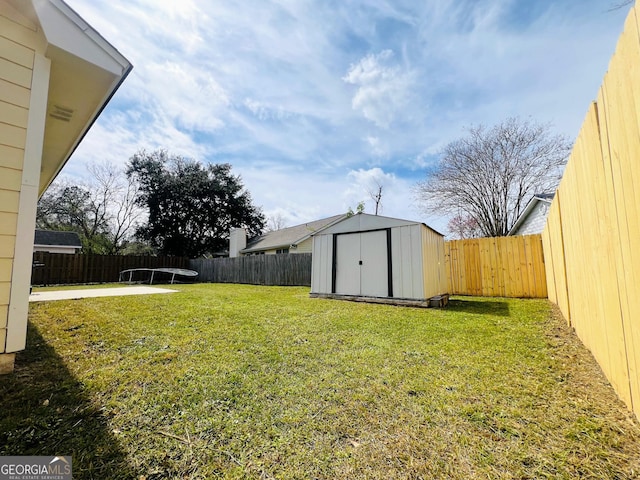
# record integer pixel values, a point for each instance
(286, 269)
(496, 267)
(61, 268)
(592, 236)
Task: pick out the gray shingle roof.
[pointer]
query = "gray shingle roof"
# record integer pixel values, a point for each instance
(286, 237)
(49, 237)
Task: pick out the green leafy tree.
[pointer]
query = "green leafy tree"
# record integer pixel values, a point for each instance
(70, 208)
(359, 209)
(190, 207)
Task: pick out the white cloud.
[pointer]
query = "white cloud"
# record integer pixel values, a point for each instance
(383, 87)
(377, 146)
(298, 94)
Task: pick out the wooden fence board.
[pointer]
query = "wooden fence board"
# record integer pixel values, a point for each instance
(286, 269)
(592, 236)
(67, 269)
(496, 267)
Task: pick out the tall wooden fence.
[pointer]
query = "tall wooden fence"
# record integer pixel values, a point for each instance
(61, 268)
(496, 267)
(592, 236)
(285, 269)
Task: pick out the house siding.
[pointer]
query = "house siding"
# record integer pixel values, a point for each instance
(18, 43)
(535, 221)
(303, 247)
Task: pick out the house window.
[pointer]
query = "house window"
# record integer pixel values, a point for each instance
(282, 250)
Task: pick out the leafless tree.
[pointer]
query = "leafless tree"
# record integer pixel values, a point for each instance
(101, 208)
(375, 193)
(115, 194)
(491, 173)
(275, 222)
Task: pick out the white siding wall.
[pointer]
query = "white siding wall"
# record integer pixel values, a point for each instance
(535, 221)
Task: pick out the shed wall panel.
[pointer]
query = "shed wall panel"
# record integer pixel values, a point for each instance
(406, 255)
(321, 264)
(433, 263)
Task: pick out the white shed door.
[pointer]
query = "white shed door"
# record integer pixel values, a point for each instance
(362, 265)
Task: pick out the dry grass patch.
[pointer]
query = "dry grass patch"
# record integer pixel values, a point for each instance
(233, 381)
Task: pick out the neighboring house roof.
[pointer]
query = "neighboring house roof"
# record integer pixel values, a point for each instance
(59, 239)
(545, 198)
(291, 236)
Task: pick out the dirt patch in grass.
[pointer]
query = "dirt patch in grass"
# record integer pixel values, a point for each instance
(233, 381)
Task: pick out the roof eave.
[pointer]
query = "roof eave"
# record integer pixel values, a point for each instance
(525, 213)
(74, 43)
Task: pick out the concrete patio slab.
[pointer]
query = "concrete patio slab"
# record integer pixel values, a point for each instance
(94, 292)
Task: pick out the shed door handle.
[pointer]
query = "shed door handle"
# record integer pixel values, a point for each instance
(360, 262)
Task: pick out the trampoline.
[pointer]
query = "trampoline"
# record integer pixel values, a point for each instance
(144, 275)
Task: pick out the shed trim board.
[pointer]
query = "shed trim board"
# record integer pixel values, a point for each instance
(389, 264)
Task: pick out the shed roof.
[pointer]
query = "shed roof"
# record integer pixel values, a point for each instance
(286, 237)
(61, 239)
(364, 221)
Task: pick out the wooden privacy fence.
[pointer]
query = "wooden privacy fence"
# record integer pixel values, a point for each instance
(592, 237)
(496, 267)
(285, 269)
(62, 268)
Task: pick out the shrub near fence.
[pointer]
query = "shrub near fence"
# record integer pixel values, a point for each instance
(62, 268)
(285, 269)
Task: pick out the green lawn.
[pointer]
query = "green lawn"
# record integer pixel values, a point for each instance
(235, 381)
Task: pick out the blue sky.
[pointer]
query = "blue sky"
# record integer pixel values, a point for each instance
(313, 102)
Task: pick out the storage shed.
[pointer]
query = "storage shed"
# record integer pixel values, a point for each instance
(370, 256)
